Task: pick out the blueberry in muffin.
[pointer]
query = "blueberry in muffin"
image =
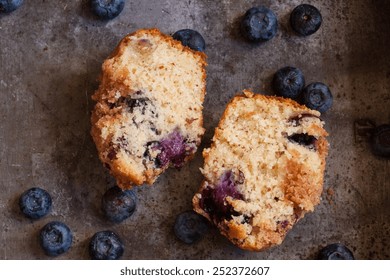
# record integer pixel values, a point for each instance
(149, 107)
(264, 170)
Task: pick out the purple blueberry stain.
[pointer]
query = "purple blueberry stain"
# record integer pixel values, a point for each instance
(213, 200)
(173, 149)
(227, 187)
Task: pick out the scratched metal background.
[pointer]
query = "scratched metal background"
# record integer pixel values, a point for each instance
(50, 58)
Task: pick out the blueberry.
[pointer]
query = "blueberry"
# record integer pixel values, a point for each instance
(190, 227)
(380, 140)
(227, 186)
(107, 9)
(118, 204)
(305, 19)
(191, 39)
(317, 96)
(259, 24)
(288, 82)
(105, 245)
(35, 203)
(7, 6)
(214, 198)
(56, 238)
(174, 148)
(336, 251)
(303, 139)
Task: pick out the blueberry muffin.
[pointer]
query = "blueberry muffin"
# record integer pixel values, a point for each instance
(148, 112)
(263, 171)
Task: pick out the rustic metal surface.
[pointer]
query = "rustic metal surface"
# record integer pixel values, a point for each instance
(50, 58)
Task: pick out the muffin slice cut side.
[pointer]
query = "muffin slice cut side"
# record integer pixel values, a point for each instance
(148, 113)
(263, 171)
